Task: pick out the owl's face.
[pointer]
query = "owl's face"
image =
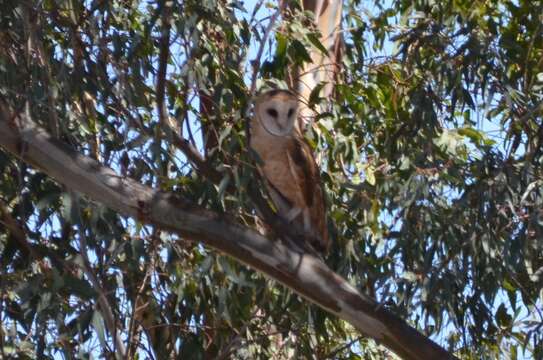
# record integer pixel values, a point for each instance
(277, 110)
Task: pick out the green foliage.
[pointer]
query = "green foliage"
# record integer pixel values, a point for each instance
(431, 156)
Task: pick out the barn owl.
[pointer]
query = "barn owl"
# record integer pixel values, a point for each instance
(288, 165)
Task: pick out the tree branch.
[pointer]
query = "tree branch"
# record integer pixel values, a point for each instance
(164, 45)
(303, 273)
(103, 303)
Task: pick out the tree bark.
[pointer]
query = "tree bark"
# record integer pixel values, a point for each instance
(303, 273)
(324, 67)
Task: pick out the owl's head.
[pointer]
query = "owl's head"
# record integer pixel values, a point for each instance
(277, 111)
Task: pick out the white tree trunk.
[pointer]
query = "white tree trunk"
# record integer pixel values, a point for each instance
(324, 68)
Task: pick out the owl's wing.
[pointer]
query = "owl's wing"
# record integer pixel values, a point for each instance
(305, 172)
(303, 168)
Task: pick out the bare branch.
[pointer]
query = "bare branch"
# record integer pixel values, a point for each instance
(267, 32)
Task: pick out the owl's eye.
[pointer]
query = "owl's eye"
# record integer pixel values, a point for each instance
(290, 112)
(272, 112)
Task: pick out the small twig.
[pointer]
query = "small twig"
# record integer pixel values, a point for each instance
(191, 136)
(105, 307)
(256, 62)
(255, 10)
(133, 323)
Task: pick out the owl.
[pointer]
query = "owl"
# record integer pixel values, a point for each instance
(288, 165)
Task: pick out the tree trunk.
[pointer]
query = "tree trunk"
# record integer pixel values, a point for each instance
(325, 67)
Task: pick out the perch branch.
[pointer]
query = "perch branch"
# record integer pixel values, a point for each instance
(305, 274)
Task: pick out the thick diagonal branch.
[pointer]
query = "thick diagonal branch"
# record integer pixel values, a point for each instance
(303, 273)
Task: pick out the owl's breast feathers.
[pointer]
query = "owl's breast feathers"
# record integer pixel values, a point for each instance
(292, 172)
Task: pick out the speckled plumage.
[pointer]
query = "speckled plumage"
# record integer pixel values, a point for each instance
(288, 165)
